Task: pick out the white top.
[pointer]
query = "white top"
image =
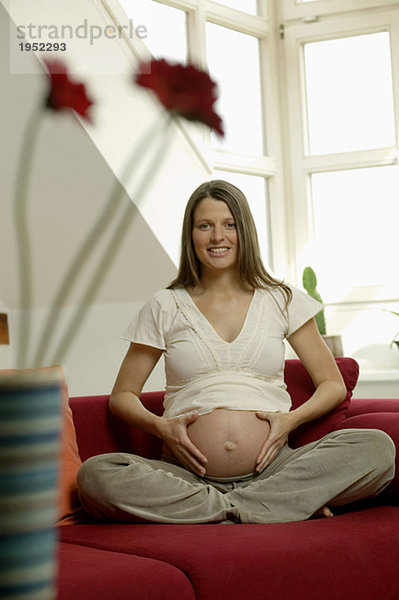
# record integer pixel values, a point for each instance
(203, 371)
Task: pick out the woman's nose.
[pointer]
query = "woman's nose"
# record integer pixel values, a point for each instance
(217, 233)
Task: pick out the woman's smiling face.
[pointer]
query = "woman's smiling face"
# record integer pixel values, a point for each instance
(214, 235)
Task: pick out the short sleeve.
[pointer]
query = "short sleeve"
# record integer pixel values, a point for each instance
(301, 308)
(149, 326)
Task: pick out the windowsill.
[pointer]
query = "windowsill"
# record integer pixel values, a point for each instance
(379, 375)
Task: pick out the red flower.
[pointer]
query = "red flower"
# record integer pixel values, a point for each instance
(186, 90)
(64, 93)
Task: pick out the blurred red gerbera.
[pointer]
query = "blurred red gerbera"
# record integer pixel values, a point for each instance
(64, 93)
(184, 89)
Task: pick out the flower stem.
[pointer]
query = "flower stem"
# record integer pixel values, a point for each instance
(86, 249)
(111, 250)
(23, 236)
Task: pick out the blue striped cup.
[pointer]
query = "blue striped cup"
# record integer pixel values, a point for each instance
(30, 402)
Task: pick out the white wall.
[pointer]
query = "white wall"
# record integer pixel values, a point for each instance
(95, 357)
(70, 184)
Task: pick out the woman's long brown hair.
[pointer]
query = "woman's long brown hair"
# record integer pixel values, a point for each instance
(251, 268)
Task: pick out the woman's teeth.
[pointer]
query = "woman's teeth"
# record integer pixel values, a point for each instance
(217, 250)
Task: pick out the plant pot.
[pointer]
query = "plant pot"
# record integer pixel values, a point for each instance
(30, 402)
(334, 342)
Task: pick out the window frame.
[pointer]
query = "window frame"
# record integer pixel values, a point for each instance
(302, 165)
(267, 165)
(292, 9)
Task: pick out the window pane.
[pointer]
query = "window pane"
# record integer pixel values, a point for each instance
(248, 6)
(356, 216)
(166, 27)
(255, 190)
(234, 64)
(349, 94)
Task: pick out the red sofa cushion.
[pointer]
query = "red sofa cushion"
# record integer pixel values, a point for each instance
(94, 574)
(300, 387)
(360, 406)
(353, 555)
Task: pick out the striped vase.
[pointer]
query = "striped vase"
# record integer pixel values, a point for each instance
(30, 403)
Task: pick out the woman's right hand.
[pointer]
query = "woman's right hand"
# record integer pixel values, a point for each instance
(174, 434)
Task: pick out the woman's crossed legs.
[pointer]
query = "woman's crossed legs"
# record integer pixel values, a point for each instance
(342, 467)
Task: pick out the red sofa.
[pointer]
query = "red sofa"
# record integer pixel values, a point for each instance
(354, 555)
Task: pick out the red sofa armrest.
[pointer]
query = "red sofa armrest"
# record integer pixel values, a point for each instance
(361, 406)
(385, 421)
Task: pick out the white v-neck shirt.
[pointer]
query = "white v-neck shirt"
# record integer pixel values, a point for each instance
(203, 371)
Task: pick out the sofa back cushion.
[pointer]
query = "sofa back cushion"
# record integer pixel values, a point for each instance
(98, 431)
(300, 387)
(70, 510)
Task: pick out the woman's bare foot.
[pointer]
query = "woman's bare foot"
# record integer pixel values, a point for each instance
(324, 511)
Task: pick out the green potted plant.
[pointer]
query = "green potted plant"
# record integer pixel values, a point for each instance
(334, 342)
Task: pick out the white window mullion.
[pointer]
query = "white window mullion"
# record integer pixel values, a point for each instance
(296, 10)
(298, 218)
(244, 22)
(350, 160)
(196, 35)
(272, 95)
(243, 163)
(395, 70)
(187, 5)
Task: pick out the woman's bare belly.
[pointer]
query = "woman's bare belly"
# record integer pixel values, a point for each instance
(230, 440)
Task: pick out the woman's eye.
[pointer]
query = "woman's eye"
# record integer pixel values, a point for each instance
(231, 225)
(204, 226)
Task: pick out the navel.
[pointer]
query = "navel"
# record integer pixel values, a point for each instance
(229, 446)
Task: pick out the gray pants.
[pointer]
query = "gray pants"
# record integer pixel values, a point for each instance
(342, 467)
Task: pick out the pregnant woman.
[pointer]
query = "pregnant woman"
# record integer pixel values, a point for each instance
(221, 326)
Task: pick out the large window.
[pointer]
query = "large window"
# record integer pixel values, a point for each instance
(342, 77)
(232, 39)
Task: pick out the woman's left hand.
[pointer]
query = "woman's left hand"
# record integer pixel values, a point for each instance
(281, 424)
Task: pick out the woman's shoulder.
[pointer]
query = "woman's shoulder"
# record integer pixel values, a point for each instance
(160, 308)
(162, 295)
(287, 302)
(162, 299)
(279, 292)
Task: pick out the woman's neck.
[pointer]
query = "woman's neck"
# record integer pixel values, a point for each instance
(221, 284)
